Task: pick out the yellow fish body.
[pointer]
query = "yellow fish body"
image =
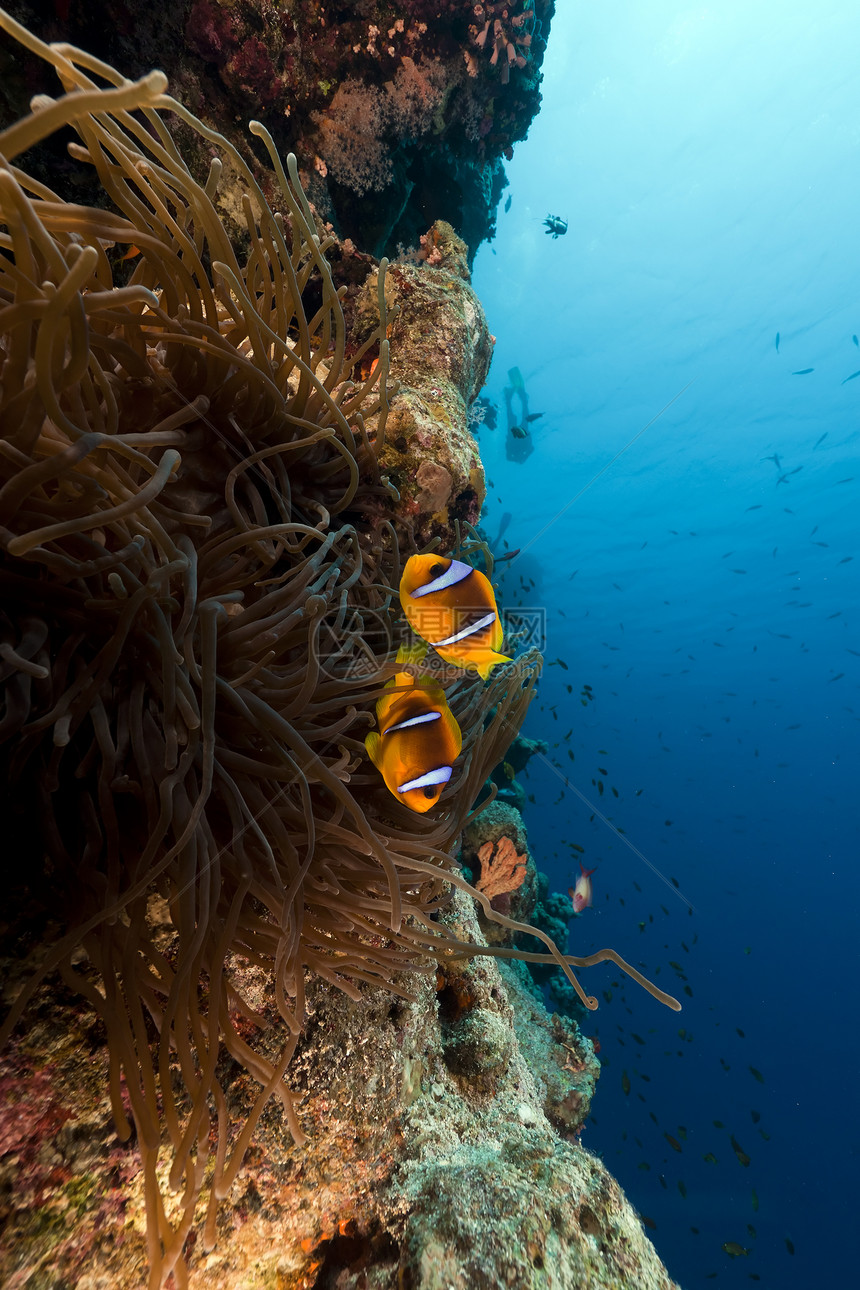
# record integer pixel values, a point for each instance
(453, 607)
(418, 741)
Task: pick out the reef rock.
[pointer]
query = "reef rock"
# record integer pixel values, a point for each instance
(441, 349)
(443, 1150)
(400, 112)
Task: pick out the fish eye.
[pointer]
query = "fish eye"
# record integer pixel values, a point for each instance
(436, 569)
(430, 790)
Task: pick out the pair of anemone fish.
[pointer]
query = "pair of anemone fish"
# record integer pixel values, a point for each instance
(452, 607)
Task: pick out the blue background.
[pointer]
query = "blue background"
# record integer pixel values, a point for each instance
(708, 162)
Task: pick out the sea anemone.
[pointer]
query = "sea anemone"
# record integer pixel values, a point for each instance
(196, 578)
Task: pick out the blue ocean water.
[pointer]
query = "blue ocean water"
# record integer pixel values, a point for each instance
(706, 585)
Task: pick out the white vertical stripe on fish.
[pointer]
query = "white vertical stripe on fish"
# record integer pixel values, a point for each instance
(440, 776)
(413, 721)
(456, 573)
(467, 631)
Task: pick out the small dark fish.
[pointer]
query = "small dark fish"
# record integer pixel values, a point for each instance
(789, 1245)
(804, 371)
(851, 377)
(756, 1116)
(756, 1074)
(533, 416)
(755, 1201)
(649, 1222)
(673, 1143)
(710, 1158)
(776, 342)
(856, 341)
(757, 506)
(775, 459)
(734, 1250)
(819, 441)
(682, 1189)
(509, 555)
(519, 432)
(739, 1152)
(837, 677)
(625, 1083)
(508, 203)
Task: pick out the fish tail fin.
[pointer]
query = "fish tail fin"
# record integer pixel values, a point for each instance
(371, 743)
(484, 669)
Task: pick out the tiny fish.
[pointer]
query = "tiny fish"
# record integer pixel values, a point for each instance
(851, 377)
(820, 441)
(625, 1083)
(519, 432)
(734, 1250)
(673, 1143)
(804, 371)
(582, 894)
(649, 1222)
(756, 1074)
(789, 1245)
(757, 507)
(682, 1189)
(533, 416)
(710, 1158)
(755, 1201)
(508, 203)
(739, 1152)
(837, 677)
(856, 341)
(756, 1116)
(776, 342)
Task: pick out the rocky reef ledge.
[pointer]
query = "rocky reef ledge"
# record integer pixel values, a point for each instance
(442, 1151)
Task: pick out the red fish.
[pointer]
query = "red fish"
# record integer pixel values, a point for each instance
(582, 894)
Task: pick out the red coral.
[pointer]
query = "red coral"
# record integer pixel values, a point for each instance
(503, 873)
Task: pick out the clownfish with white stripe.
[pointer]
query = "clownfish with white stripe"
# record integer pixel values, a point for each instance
(453, 607)
(418, 741)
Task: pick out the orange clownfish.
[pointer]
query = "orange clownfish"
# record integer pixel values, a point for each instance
(453, 607)
(418, 741)
(581, 895)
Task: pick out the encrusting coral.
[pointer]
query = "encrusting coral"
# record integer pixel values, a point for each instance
(196, 578)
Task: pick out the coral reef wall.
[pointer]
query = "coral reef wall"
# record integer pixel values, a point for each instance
(442, 1151)
(400, 113)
